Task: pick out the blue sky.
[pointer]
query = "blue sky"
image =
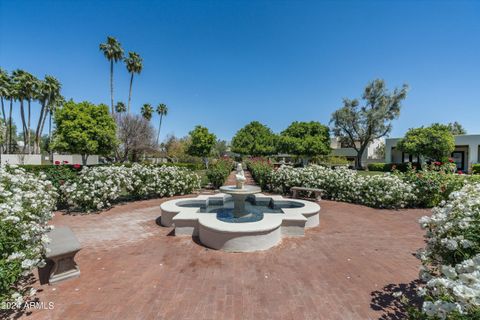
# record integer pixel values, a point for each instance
(222, 64)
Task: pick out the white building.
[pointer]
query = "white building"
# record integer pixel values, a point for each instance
(465, 154)
(370, 155)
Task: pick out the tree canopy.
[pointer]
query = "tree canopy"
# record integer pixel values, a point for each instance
(435, 142)
(84, 128)
(456, 128)
(254, 139)
(201, 143)
(357, 125)
(305, 139)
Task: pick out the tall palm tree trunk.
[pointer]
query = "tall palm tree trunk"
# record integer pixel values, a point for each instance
(130, 93)
(111, 84)
(38, 131)
(159, 127)
(28, 131)
(50, 135)
(10, 126)
(22, 113)
(4, 119)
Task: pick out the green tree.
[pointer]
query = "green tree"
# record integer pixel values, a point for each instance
(120, 107)
(456, 128)
(8, 91)
(221, 148)
(84, 128)
(201, 143)
(162, 111)
(254, 139)
(112, 50)
(435, 142)
(147, 111)
(305, 139)
(134, 64)
(358, 126)
(4, 95)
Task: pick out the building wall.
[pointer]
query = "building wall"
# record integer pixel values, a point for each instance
(469, 143)
(74, 158)
(17, 159)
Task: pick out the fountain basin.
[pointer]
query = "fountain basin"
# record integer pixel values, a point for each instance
(281, 217)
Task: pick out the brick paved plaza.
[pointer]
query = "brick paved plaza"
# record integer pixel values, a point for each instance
(131, 268)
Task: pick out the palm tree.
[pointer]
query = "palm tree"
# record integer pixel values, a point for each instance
(19, 79)
(56, 102)
(30, 86)
(10, 93)
(4, 93)
(147, 111)
(134, 65)
(112, 50)
(48, 92)
(162, 110)
(120, 107)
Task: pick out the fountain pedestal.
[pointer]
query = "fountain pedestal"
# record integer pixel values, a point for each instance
(239, 196)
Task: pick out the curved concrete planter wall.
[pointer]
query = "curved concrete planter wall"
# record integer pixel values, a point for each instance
(238, 237)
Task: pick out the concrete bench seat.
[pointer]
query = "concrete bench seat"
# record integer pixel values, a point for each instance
(296, 191)
(61, 251)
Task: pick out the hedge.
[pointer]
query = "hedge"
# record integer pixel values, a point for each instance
(388, 167)
(476, 168)
(218, 172)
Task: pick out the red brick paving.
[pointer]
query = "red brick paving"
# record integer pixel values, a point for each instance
(139, 271)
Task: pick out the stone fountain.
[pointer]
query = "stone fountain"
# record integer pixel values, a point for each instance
(240, 218)
(239, 193)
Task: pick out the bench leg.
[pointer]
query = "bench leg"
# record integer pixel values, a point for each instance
(294, 194)
(64, 267)
(318, 196)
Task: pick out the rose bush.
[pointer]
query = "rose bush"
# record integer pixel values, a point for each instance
(451, 258)
(26, 204)
(342, 184)
(96, 188)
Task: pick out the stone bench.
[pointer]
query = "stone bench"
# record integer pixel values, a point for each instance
(296, 191)
(61, 251)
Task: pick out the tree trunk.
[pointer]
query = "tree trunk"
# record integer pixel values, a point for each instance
(10, 127)
(84, 159)
(358, 160)
(111, 85)
(50, 134)
(130, 94)
(4, 120)
(206, 162)
(22, 113)
(159, 127)
(28, 131)
(36, 147)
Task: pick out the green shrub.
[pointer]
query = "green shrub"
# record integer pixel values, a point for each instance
(218, 172)
(331, 160)
(432, 186)
(380, 166)
(476, 168)
(261, 171)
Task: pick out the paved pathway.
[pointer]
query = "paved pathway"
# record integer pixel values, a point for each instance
(131, 268)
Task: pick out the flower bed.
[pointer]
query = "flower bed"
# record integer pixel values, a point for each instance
(96, 188)
(219, 171)
(26, 203)
(342, 184)
(451, 259)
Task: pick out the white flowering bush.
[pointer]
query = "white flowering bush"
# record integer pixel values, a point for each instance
(96, 188)
(343, 184)
(26, 204)
(451, 258)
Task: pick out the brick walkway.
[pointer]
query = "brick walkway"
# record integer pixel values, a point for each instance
(131, 268)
